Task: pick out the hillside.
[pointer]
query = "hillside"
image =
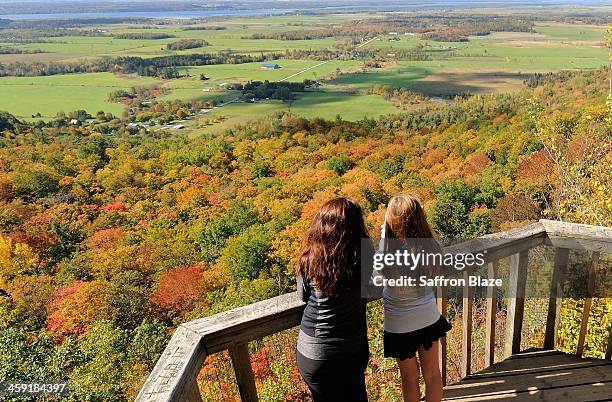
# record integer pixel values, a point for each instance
(111, 237)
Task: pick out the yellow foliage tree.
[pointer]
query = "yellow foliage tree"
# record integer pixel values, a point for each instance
(16, 259)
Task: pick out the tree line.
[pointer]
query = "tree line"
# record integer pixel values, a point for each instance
(185, 44)
(162, 66)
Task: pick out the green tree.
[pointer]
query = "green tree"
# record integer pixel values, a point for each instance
(148, 342)
(246, 255)
(339, 164)
(448, 217)
(35, 180)
(28, 357)
(478, 224)
(261, 168)
(213, 236)
(128, 299)
(100, 376)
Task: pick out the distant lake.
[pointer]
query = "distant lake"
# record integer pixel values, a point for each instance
(149, 14)
(219, 12)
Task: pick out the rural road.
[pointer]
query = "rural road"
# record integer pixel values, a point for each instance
(323, 62)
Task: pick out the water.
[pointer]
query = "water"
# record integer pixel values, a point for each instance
(219, 12)
(150, 14)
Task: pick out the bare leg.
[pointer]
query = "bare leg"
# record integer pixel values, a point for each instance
(431, 373)
(409, 370)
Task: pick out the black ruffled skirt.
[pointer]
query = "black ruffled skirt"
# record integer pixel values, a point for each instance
(404, 346)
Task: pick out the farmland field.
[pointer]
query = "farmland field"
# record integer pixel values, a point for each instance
(497, 62)
(25, 96)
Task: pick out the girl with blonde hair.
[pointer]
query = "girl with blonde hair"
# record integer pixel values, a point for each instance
(413, 323)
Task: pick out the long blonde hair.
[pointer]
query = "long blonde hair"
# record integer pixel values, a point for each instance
(406, 218)
(406, 221)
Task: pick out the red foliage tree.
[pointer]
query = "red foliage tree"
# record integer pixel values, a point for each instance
(74, 308)
(538, 168)
(114, 207)
(106, 239)
(178, 290)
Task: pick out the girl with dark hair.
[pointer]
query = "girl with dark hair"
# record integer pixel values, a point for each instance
(332, 348)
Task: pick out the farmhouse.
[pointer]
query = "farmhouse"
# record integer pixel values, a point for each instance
(270, 66)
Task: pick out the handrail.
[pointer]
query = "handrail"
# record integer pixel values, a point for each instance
(174, 376)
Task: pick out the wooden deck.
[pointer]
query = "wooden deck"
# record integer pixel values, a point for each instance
(537, 376)
(528, 376)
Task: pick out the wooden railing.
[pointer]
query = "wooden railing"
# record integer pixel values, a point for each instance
(174, 375)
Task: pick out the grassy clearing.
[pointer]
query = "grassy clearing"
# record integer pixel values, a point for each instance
(398, 76)
(321, 103)
(350, 106)
(48, 95)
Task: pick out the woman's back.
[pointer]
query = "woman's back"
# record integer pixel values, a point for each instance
(332, 326)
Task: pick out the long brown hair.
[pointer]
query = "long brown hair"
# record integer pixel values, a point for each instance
(330, 258)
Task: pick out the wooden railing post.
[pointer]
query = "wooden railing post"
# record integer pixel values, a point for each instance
(491, 316)
(609, 349)
(556, 294)
(443, 307)
(192, 392)
(516, 301)
(239, 354)
(586, 310)
(468, 302)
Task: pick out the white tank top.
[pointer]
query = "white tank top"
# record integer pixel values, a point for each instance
(408, 308)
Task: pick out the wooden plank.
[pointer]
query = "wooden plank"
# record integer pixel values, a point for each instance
(173, 377)
(245, 379)
(467, 321)
(534, 365)
(492, 269)
(579, 392)
(555, 365)
(556, 289)
(578, 231)
(442, 354)
(250, 322)
(247, 316)
(222, 340)
(568, 371)
(600, 391)
(527, 382)
(586, 310)
(573, 243)
(516, 301)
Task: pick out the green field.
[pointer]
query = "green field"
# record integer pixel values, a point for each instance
(49, 95)
(322, 103)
